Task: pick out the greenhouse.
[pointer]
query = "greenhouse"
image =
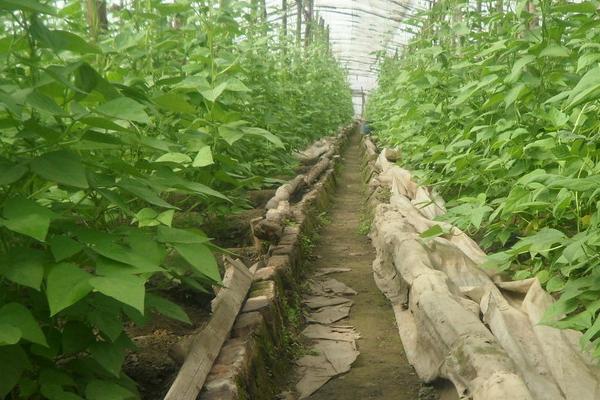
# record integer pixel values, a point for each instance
(299, 199)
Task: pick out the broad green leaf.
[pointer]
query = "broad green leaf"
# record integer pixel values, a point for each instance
(63, 247)
(124, 108)
(110, 355)
(432, 232)
(9, 334)
(27, 5)
(66, 285)
(41, 102)
(235, 85)
(53, 391)
(265, 134)
(586, 89)
(213, 94)
(106, 390)
(185, 236)
(14, 362)
(144, 192)
(176, 158)
(586, 60)
(166, 217)
(583, 7)
(127, 289)
(203, 158)
(76, 337)
(11, 173)
(175, 102)
(61, 166)
(230, 134)
(518, 67)
(27, 217)
(513, 94)
(64, 40)
(24, 266)
(201, 258)
(20, 317)
(167, 308)
(554, 50)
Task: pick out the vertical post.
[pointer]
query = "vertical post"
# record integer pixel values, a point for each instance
(534, 22)
(96, 16)
(299, 11)
(284, 18)
(362, 103)
(263, 5)
(327, 39)
(308, 24)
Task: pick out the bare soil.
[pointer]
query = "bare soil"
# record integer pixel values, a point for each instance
(381, 370)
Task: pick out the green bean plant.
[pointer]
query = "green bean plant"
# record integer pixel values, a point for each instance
(496, 105)
(112, 123)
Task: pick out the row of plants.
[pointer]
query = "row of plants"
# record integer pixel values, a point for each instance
(113, 125)
(496, 105)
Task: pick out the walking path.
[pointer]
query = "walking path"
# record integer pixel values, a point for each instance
(381, 371)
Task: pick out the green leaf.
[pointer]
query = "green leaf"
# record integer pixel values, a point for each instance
(265, 134)
(66, 284)
(27, 217)
(513, 94)
(175, 102)
(235, 85)
(213, 94)
(11, 173)
(203, 158)
(27, 5)
(176, 158)
(64, 40)
(20, 317)
(201, 258)
(9, 334)
(230, 134)
(432, 232)
(518, 67)
(185, 236)
(167, 308)
(53, 391)
(24, 266)
(61, 166)
(583, 7)
(63, 247)
(14, 362)
(586, 60)
(586, 89)
(127, 289)
(110, 355)
(105, 390)
(144, 193)
(124, 108)
(555, 50)
(76, 336)
(41, 102)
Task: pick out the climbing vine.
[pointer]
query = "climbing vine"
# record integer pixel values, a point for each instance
(496, 104)
(113, 123)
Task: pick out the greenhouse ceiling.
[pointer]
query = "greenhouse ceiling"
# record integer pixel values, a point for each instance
(358, 31)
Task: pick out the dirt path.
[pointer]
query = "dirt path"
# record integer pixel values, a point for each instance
(381, 371)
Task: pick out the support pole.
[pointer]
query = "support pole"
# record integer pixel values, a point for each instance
(299, 11)
(284, 18)
(308, 24)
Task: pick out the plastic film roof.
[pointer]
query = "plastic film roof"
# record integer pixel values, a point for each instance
(358, 31)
